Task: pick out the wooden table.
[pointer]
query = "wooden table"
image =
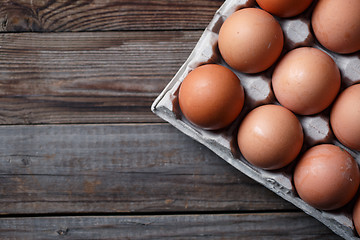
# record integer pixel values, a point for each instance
(83, 157)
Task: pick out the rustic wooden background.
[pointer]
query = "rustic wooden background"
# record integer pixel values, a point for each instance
(83, 157)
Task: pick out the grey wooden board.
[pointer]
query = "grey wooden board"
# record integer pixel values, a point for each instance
(99, 15)
(206, 226)
(119, 168)
(87, 77)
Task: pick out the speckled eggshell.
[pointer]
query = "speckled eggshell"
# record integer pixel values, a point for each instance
(211, 96)
(306, 80)
(270, 137)
(284, 8)
(326, 177)
(356, 215)
(250, 40)
(336, 24)
(345, 117)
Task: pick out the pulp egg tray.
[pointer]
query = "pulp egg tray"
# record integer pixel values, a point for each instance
(258, 91)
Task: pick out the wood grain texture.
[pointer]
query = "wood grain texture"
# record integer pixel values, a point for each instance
(87, 77)
(99, 15)
(119, 168)
(279, 226)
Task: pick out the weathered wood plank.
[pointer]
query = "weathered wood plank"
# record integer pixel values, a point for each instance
(119, 168)
(98, 15)
(219, 226)
(91, 64)
(87, 77)
(54, 109)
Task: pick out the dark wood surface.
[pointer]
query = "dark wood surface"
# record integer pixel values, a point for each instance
(87, 77)
(81, 154)
(101, 15)
(191, 226)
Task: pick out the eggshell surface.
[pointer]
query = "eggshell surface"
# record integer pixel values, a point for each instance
(345, 117)
(211, 96)
(270, 137)
(306, 81)
(326, 177)
(284, 8)
(250, 40)
(336, 24)
(356, 216)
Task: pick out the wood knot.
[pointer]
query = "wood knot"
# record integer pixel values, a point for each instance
(63, 232)
(19, 19)
(26, 161)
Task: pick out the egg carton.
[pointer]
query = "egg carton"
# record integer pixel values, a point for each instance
(258, 91)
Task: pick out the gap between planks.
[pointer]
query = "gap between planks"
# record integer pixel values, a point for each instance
(222, 226)
(175, 213)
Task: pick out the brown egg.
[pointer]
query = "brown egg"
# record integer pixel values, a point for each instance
(211, 96)
(250, 40)
(345, 117)
(306, 80)
(270, 137)
(284, 8)
(326, 177)
(336, 25)
(356, 215)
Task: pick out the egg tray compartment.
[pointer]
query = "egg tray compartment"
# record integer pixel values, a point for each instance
(258, 91)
